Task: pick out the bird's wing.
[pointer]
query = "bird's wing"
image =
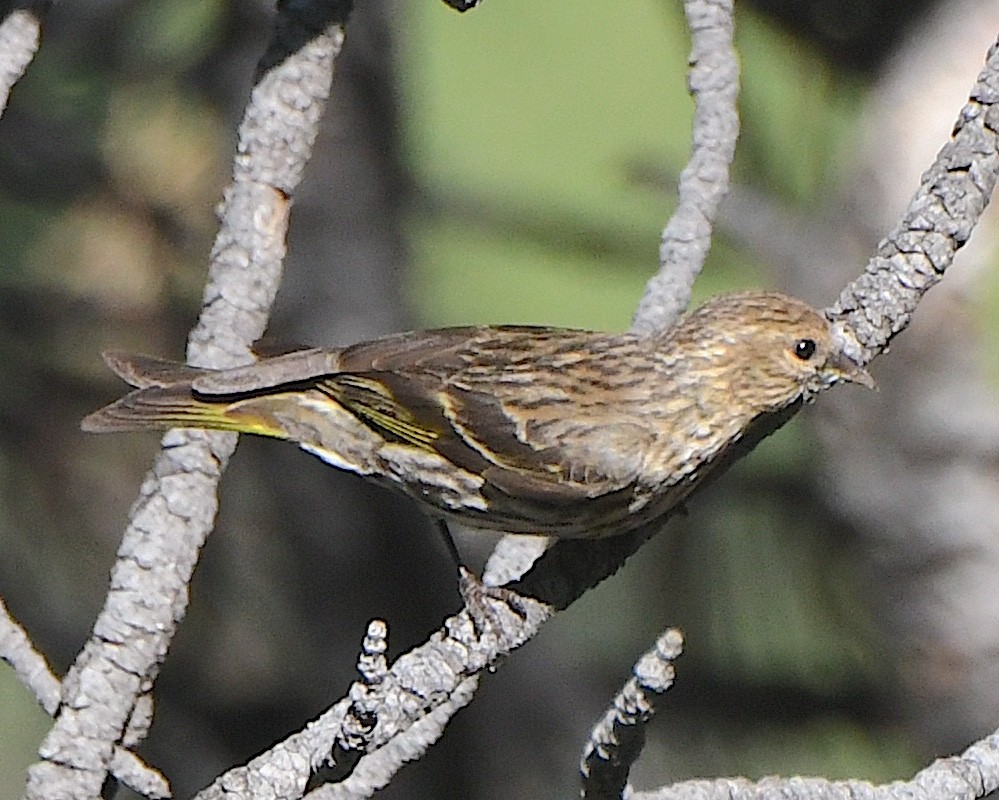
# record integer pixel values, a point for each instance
(479, 397)
(478, 432)
(444, 350)
(578, 485)
(473, 431)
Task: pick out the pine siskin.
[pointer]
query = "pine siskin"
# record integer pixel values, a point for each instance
(565, 433)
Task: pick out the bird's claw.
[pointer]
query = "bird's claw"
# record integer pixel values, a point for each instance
(486, 604)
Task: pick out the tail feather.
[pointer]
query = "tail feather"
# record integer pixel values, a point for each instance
(167, 395)
(160, 408)
(142, 371)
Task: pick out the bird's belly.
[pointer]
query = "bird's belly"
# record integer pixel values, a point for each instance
(584, 518)
(499, 503)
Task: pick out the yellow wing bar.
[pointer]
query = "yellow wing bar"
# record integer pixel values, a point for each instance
(372, 402)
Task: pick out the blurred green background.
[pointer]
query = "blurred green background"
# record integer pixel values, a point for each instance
(536, 152)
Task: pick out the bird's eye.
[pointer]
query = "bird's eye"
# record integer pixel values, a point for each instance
(804, 349)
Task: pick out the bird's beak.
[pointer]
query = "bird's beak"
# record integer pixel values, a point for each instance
(848, 370)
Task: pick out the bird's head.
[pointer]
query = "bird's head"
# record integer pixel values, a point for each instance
(774, 348)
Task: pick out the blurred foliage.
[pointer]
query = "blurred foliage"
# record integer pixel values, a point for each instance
(523, 131)
(850, 33)
(545, 124)
(561, 140)
(987, 306)
(22, 725)
(109, 194)
(169, 36)
(793, 129)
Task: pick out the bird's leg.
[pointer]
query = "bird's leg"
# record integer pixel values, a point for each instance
(452, 548)
(477, 596)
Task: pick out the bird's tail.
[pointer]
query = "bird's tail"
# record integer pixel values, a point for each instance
(164, 398)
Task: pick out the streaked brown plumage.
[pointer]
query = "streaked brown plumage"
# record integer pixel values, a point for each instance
(527, 430)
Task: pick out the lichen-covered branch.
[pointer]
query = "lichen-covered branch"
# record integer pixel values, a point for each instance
(177, 503)
(34, 672)
(406, 708)
(913, 257)
(617, 739)
(971, 775)
(20, 33)
(704, 182)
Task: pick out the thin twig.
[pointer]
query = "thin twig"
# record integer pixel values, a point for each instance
(714, 84)
(29, 665)
(617, 739)
(410, 705)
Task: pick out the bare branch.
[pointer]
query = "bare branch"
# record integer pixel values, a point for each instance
(616, 741)
(973, 774)
(409, 707)
(952, 196)
(29, 665)
(177, 504)
(20, 34)
(33, 670)
(362, 714)
(128, 768)
(377, 767)
(714, 83)
(513, 555)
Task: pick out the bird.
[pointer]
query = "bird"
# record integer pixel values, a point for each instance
(521, 429)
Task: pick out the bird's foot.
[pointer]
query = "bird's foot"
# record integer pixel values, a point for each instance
(492, 608)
